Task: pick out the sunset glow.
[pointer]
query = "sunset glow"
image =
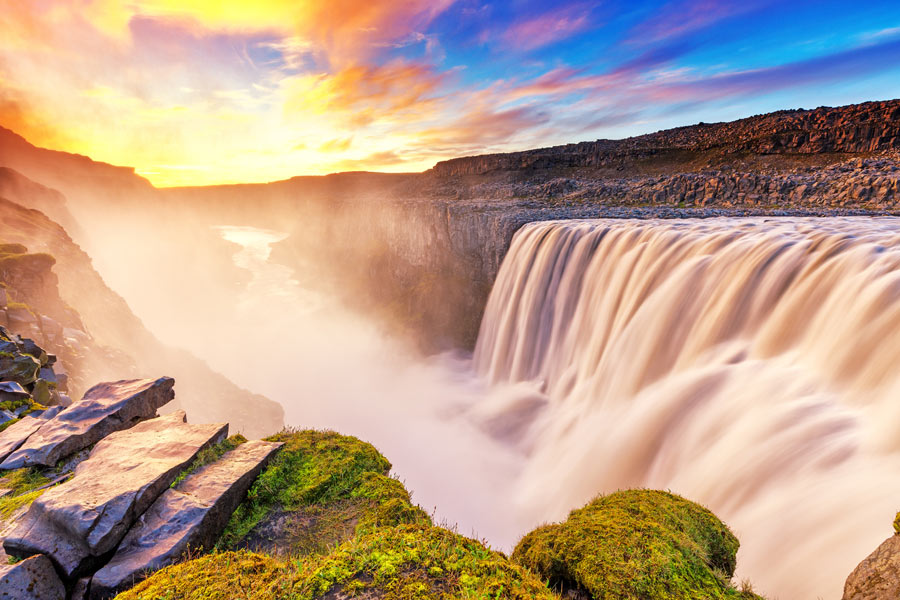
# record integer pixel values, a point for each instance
(194, 92)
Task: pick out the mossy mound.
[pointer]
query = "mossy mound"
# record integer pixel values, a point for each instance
(636, 544)
(409, 562)
(320, 490)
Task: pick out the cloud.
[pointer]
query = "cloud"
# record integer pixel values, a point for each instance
(548, 28)
(681, 17)
(336, 145)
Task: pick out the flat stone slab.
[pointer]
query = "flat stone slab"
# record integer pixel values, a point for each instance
(105, 408)
(32, 579)
(77, 524)
(18, 433)
(877, 577)
(190, 516)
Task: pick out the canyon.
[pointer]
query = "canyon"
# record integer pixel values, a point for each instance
(711, 299)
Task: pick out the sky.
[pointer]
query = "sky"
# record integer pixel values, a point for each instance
(191, 92)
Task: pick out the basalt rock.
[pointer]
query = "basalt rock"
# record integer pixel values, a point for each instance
(105, 408)
(32, 579)
(12, 391)
(21, 368)
(190, 516)
(79, 523)
(877, 577)
(17, 434)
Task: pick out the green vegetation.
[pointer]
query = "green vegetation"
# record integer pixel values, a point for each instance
(897, 524)
(314, 469)
(636, 544)
(23, 483)
(409, 562)
(210, 455)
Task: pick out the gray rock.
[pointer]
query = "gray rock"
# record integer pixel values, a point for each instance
(21, 368)
(32, 579)
(6, 416)
(12, 389)
(47, 374)
(190, 516)
(105, 408)
(877, 577)
(17, 434)
(31, 348)
(81, 589)
(47, 414)
(78, 523)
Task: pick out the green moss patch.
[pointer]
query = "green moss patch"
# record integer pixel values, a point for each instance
(23, 484)
(313, 469)
(409, 562)
(636, 544)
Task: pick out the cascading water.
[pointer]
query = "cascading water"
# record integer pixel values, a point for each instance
(747, 364)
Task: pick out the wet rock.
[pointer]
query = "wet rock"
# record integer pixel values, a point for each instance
(20, 368)
(191, 516)
(105, 408)
(77, 524)
(877, 577)
(16, 434)
(32, 579)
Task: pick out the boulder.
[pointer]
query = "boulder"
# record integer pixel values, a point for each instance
(105, 408)
(878, 576)
(12, 390)
(20, 368)
(42, 392)
(77, 524)
(16, 434)
(190, 516)
(30, 347)
(32, 579)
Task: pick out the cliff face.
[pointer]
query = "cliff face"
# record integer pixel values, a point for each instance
(869, 127)
(56, 278)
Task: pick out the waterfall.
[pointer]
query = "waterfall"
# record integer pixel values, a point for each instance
(748, 364)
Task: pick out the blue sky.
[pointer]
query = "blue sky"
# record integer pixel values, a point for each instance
(194, 91)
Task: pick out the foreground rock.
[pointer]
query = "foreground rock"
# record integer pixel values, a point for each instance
(105, 408)
(17, 434)
(878, 576)
(32, 579)
(78, 523)
(190, 516)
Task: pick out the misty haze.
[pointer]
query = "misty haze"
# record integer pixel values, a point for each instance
(431, 300)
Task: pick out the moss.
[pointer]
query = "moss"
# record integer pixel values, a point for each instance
(636, 544)
(897, 524)
(389, 504)
(7, 424)
(24, 484)
(414, 562)
(210, 455)
(313, 468)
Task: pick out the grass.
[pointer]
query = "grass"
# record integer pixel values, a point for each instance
(408, 562)
(210, 455)
(636, 544)
(313, 468)
(23, 483)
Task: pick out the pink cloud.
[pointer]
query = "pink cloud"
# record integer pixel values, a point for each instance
(547, 28)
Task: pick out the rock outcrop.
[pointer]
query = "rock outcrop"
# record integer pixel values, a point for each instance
(190, 516)
(76, 524)
(877, 577)
(868, 127)
(105, 408)
(16, 434)
(31, 579)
